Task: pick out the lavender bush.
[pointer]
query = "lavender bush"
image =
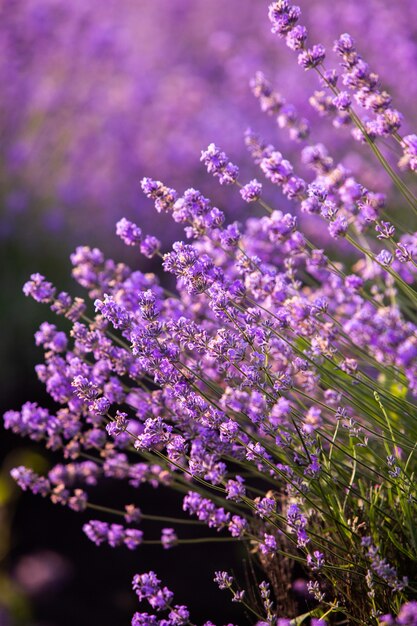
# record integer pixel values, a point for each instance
(273, 388)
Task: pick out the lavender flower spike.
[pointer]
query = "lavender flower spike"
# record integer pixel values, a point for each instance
(218, 164)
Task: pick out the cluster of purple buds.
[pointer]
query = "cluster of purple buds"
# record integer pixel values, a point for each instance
(409, 158)
(114, 535)
(148, 587)
(27, 479)
(39, 289)
(268, 546)
(297, 524)
(223, 580)
(131, 235)
(169, 538)
(316, 560)
(312, 57)
(218, 164)
(382, 568)
(197, 214)
(365, 85)
(119, 425)
(251, 191)
(284, 19)
(163, 196)
(205, 510)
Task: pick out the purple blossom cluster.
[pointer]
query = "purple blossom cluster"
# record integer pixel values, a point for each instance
(114, 535)
(27, 479)
(273, 388)
(148, 587)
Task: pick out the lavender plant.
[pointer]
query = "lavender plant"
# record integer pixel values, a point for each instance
(273, 389)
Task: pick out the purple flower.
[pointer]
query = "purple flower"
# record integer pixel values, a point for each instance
(238, 526)
(223, 580)
(39, 289)
(28, 479)
(312, 57)
(316, 560)
(403, 254)
(277, 169)
(229, 431)
(388, 122)
(342, 101)
(85, 388)
(205, 510)
(270, 101)
(383, 569)
(150, 246)
(338, 227)
(297, 523)
(132, 538)
(231, 235)
(235, 489)
(169, 538)
(78, 501)
(218, 164)
(283, 16)
(156, 431)
(117, 315)
(385, 230)
(179, 615)
(100, 406)
(260, 354)
(251, 191)
(115, 535)
(128, 232)
(384, 258)
(176, 447)
(119, 424)
(96, 531)
(409, 158)
(296, 38)
(269, 545)
(163, 196)
(265, 507)
(32, 420)
(146, 584)
(345, 46)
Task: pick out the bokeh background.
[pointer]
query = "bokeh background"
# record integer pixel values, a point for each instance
(94, 96)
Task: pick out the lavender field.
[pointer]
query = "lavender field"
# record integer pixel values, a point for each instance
(208, 224)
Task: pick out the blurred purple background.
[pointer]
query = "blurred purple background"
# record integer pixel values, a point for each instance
(96, 95)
